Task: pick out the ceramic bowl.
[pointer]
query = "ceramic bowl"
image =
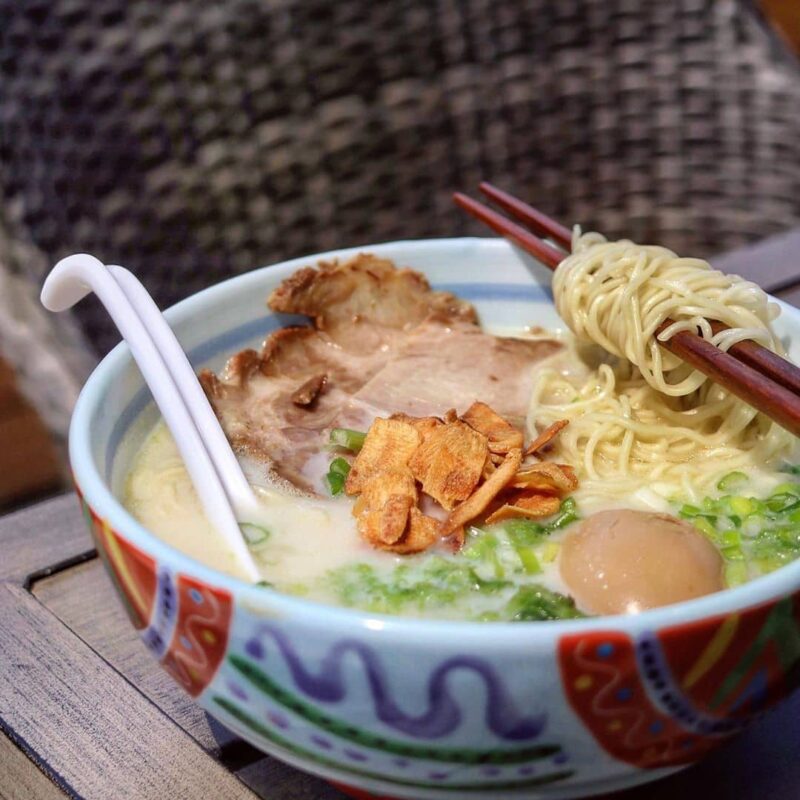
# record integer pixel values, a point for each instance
(423, 709)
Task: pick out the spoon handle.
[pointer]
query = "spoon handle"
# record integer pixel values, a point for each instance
(72, 279)
(219, 450)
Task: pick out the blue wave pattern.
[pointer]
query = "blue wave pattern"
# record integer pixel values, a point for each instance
(442, 715)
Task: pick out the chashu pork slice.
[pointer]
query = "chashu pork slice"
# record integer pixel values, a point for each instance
(366, 303)
(438, 367)
(255, 398)
(385, 342)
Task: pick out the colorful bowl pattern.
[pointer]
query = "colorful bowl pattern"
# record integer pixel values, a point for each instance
(661, 699)
(430, 710)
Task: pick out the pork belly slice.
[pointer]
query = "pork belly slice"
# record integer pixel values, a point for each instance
(254, 399)
(364, 303)
(440, 367)
(386, 342)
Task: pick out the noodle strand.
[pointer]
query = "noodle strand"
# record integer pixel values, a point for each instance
(649, 416)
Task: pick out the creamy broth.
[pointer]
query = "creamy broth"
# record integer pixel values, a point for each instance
(313, 548)
(309, 537)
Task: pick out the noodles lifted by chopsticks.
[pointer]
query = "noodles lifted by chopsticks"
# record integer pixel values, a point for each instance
(651, 417)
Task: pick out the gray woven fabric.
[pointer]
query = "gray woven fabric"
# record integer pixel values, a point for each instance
(192, 140)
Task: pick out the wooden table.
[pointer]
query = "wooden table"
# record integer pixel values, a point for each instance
(86, 712)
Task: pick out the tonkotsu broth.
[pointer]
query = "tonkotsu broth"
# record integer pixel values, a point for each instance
(312, 539)
(308, 536)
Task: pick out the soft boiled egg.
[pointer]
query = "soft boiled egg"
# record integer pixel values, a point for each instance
(623, 561)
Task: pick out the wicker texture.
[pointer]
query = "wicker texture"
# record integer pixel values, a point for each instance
(192, 140)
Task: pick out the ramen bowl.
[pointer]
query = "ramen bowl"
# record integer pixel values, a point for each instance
(405, 708)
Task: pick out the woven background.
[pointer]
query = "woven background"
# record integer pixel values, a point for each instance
(192, 140)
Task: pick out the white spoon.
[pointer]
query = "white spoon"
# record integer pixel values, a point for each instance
(217, 477)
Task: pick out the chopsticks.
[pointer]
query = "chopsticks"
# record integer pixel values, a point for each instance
(753, 373)
(752, 353)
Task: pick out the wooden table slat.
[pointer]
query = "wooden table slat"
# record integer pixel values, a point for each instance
(88, 724)
(40, 536)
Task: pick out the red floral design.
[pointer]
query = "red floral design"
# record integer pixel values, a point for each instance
(665, 699)
(201, 634)
(133, 571)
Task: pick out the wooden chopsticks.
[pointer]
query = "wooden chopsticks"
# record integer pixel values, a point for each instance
(752, 353)
(753, 373)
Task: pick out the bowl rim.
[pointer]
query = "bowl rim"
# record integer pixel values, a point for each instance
(99, 497)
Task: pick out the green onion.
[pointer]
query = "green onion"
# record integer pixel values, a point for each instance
(687, 510)
(567, 514)
(787, 488)
(730, 538)
(704, 526)
(535, 603)
(732, 553)
(253, 534)
(338, 471)
(348, 439)
(735, 573)
(524, 532)
(766, 565)
(530, 563)
(733, 480)
(550, 552)
(782, 502)
(264, 585)
(743, 506)
(482, 544)
(488, 584)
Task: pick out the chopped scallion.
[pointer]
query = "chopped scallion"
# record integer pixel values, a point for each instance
(567, 514)
(743, 505)
(787, 488)
(525, 532)
(733, 480)
(348, 439)
(550, 552)
(337, 474)
(704, 526)
(735, 573)
(530, 563)
(254, 534)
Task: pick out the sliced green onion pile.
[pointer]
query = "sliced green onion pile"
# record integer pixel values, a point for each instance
(489, 578)
(754, 535)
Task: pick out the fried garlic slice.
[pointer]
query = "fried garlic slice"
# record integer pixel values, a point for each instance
(449, 463)
(389, 445)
